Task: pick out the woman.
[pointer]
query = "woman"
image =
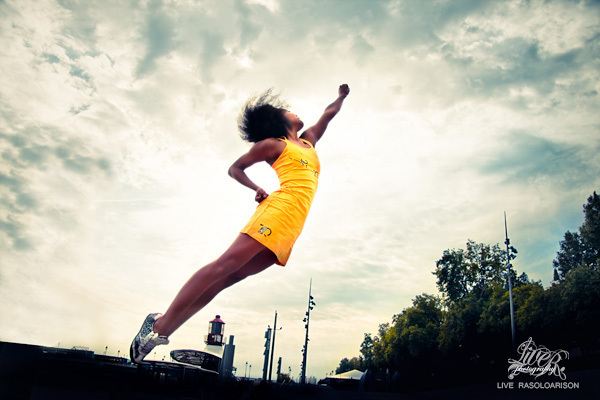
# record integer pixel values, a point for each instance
(270, 234)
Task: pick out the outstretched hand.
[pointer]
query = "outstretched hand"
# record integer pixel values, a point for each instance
(260, 195)
(344, 90)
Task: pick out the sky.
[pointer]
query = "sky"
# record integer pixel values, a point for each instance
(118, 125)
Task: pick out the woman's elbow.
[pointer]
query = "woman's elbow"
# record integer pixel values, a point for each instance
(230, 171)
(235, 171)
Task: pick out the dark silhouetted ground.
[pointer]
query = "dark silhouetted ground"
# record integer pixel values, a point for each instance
(35, 372)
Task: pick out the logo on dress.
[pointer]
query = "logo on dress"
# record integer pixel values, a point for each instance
(264, 230)
(304, 164)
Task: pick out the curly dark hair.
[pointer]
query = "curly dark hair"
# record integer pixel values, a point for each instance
(262, 117)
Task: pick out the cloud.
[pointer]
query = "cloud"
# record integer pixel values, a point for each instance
(248, 18)
(518, 63)
(159, 35)
(526, 158)
(362, 49)
(31, 194)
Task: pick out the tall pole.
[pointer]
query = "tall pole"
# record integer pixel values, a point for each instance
(267, 348)
(273, 345)
(510, 293)
(311, 304)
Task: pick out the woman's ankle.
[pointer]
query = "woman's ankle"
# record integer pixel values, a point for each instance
(157, 326)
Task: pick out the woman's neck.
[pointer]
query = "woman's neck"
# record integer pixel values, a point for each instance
(292, 136)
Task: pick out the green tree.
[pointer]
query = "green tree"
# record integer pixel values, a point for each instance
(570, 255)
(366, 351)
(531, 314)
(565, 315)
(573, 309)
(460, 272)
(582, 247)
(459, 331)
(412, 338)
(421, 326)
(473, 282)
(380, 346)
(348, 365)
(495, 325)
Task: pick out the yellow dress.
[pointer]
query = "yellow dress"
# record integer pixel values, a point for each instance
(279, 219)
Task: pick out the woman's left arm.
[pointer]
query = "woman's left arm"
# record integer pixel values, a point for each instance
(315, 132)
(266, 150)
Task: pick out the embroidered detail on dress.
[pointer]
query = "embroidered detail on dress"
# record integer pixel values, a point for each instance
(265, 231)
(305, 165)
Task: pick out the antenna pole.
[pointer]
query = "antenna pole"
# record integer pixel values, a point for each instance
(510, 291)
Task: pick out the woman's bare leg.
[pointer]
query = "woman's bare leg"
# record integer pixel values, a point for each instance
(259, 263)
(190, 299)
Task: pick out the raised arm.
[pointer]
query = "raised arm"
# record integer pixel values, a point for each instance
(315, 132)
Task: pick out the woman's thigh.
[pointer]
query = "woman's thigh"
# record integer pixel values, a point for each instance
(244, 252)
(260, 262)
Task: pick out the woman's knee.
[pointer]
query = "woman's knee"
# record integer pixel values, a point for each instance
(234, 278)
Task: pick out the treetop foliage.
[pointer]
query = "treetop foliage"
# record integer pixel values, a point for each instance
(460, 272)
(582, 247)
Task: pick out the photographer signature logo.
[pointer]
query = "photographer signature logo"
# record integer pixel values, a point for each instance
(537, 361)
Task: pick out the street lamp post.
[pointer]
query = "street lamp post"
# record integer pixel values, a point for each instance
(266, 353)
(311, 305)
(273, 345)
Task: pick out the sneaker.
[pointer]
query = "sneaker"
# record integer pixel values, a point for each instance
(146, 339)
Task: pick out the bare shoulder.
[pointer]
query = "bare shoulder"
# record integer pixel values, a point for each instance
(269, 145)
(268, 149)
